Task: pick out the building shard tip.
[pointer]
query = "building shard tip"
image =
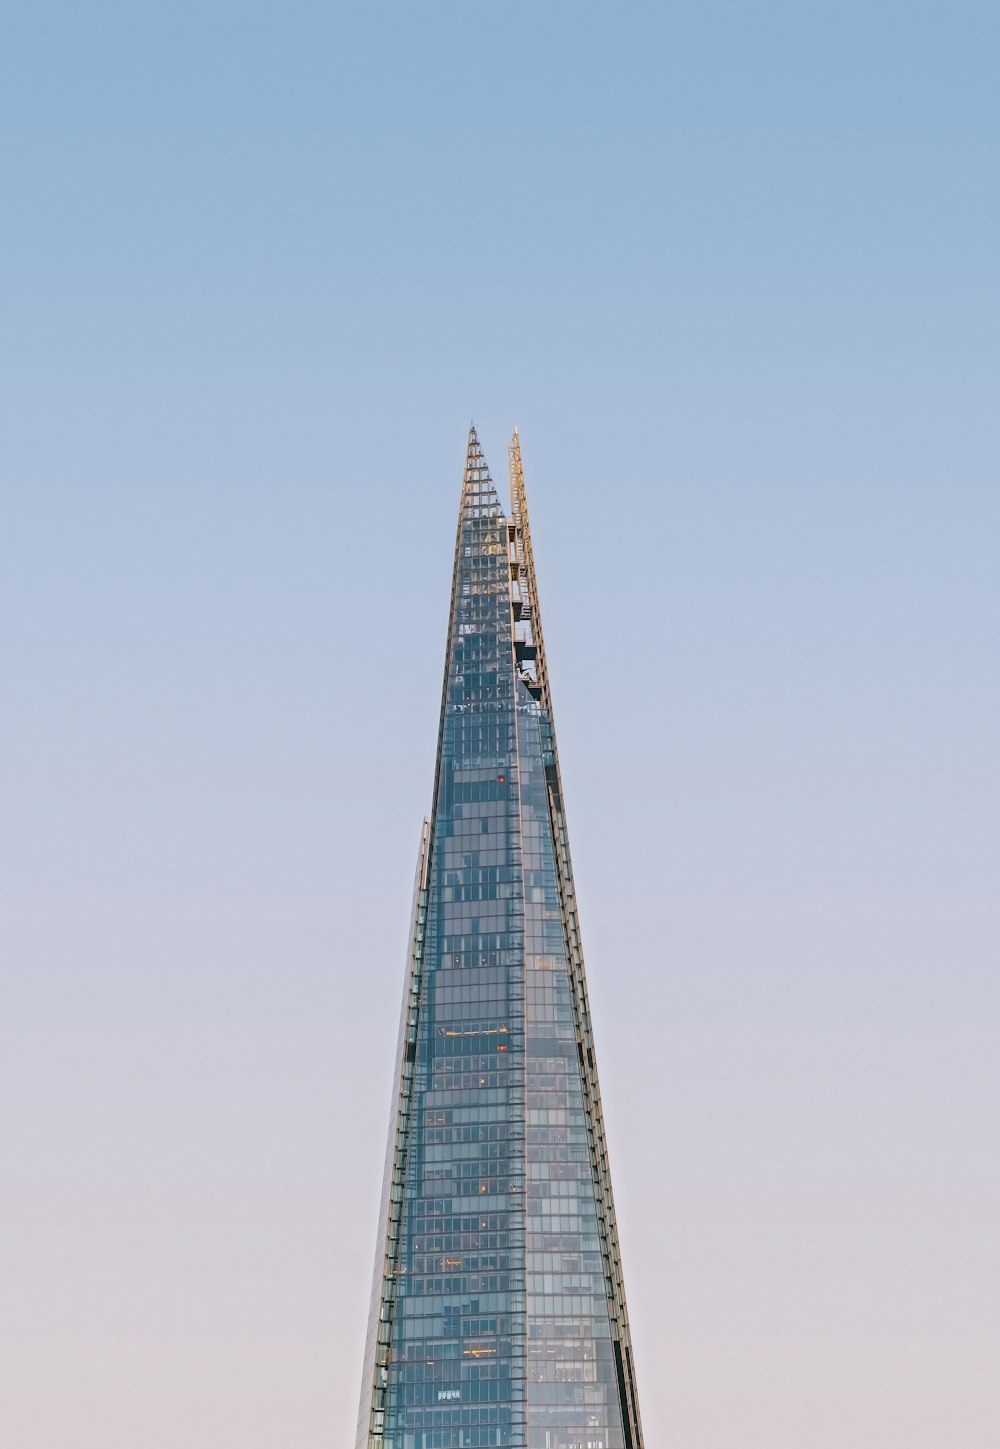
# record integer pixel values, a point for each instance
(476, 479)
(498, 1307)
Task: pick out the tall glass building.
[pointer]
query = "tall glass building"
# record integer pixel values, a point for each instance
(498, 1307)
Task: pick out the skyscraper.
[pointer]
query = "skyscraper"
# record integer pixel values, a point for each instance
(498, 1307)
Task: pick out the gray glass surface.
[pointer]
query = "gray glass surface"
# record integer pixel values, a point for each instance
(497, 1311)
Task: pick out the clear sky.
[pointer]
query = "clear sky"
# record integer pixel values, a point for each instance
(733, 271)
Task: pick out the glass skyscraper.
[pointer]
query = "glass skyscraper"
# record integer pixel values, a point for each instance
(498, 1307)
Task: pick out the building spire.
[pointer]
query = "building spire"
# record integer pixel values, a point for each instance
(477, 484)
(518, 500)
(475, 462)
(495, 999)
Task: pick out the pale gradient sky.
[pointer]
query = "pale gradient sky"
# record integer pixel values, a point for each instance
(733, 271)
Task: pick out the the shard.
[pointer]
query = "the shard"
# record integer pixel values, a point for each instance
(498, 1307)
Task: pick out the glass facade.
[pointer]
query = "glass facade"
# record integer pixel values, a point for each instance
(498, 1313)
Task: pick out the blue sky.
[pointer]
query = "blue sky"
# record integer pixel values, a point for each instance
(733, 274)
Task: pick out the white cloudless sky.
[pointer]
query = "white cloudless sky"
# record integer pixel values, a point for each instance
(733, 272)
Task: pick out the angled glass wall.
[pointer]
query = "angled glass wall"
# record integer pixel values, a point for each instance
(498, 1316)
